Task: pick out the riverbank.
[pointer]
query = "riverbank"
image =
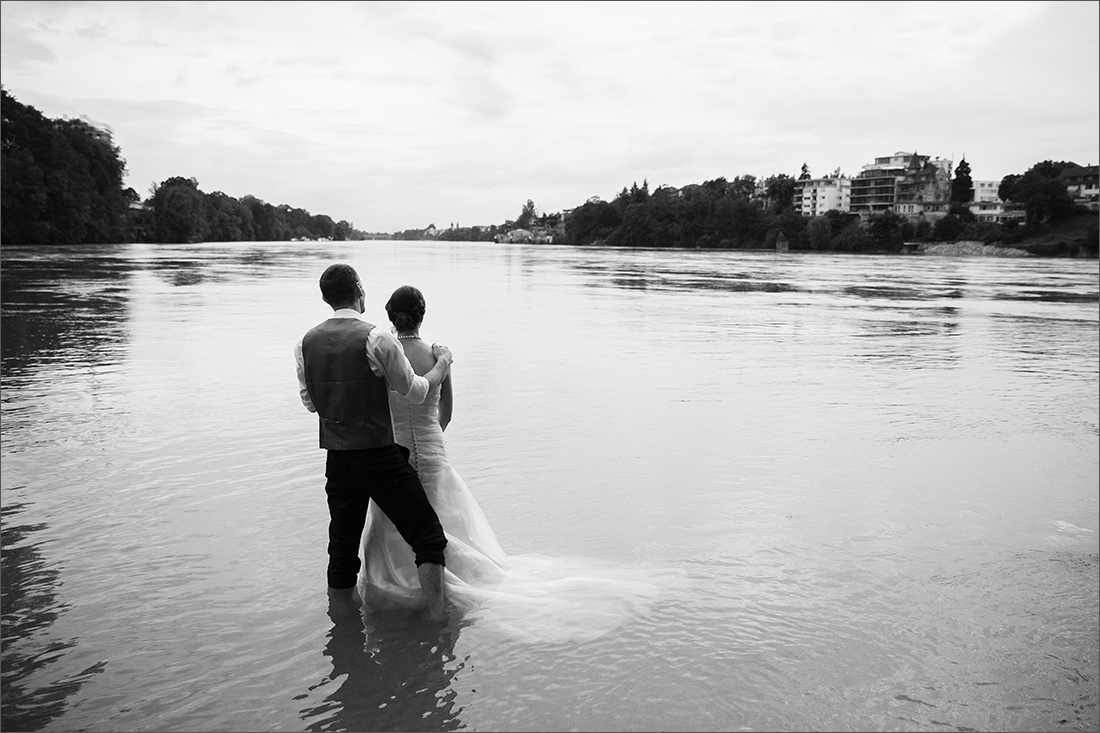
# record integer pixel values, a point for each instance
(1073, 237)
(971, 249)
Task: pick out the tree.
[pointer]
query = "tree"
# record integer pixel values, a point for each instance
(839, 220)
(780, 192)
(695, 209)
(744, 186)
(526, 216)
(791, 225)
(98, 172)
(62, 183)
(266, 224)
(322, 226)
(818, 232)
(986, 232)
(1051, 169)
(298, 221)
(851, 238)
(343, 231)
(23, 190)
(664, 205)
(593, 221)
(634, 196)
(805, 174)
(962, 187)
(885, 230)
(638, 228)
(948, 228)
(922, 230)
(749, 227)
(179, 211)
(1041, 192)
(228, 220)
(1008, 186)
(62, 179)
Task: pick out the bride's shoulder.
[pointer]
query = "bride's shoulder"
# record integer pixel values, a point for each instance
(420, 356)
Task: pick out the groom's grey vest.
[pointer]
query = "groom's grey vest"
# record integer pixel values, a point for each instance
(352, 401)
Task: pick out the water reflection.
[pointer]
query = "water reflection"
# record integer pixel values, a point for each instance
(676, 276)
(392, 668)
(1052, 296)
(66, 302)
(184, 267)
(28, 589)
(869, 278)
(181, 274)
(57, 306)
(895, 292)
(828, 475)
(1029, 344)
(931, 341)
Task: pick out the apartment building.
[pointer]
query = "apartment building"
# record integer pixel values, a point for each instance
(987, 205)
(906, 183)
(815, 196)
(985, 191)
(997, 211)
(925, 189)
(1083, 184)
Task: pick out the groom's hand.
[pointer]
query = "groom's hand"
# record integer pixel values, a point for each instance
(443, 354)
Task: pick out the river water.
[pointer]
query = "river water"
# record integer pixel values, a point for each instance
(864, 489)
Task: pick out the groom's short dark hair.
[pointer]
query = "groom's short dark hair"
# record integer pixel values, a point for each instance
(339, 284)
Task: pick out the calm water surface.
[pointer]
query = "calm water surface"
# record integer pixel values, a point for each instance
(874, 480)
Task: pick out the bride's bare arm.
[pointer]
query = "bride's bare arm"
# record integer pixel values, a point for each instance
(446, 401)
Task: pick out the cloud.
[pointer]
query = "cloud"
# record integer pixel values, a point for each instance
(321, 61)
(17, 47)
(469, 109)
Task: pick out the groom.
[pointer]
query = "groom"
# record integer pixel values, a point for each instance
(345, 368)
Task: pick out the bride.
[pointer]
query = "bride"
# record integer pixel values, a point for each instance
(475, 559)
(533, 596)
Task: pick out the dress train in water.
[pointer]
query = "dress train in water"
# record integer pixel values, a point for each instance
(536, 597)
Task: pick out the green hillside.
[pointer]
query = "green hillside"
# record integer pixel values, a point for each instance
(1073, 237)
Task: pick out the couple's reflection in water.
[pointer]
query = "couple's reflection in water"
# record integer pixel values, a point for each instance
(391, 670)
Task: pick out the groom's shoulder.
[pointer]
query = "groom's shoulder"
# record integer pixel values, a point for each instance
(346, 326)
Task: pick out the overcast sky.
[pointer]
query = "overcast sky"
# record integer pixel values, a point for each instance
(394, 116)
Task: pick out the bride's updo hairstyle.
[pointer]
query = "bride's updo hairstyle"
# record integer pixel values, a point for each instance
(406, 308)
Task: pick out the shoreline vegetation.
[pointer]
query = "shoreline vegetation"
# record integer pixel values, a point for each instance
(62, 184)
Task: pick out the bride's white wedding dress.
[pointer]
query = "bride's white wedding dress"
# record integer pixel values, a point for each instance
(474, 557)
(534, 596)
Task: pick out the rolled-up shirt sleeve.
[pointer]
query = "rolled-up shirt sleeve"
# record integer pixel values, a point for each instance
(303, 391)
(388, 360)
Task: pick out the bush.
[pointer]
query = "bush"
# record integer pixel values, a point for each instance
(850, 239)
(986, 232)
(1053, 249)
(948, 228)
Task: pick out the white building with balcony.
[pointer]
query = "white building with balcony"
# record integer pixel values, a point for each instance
(815, 196)
(987, 206)
(985, 191)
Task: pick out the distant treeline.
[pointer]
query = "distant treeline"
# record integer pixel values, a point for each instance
(62, 184)
(742, 214)
(732, 215)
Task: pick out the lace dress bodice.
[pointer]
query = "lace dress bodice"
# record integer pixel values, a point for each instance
(417, 428)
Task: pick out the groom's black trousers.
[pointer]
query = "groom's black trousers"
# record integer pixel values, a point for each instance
(384, 475)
